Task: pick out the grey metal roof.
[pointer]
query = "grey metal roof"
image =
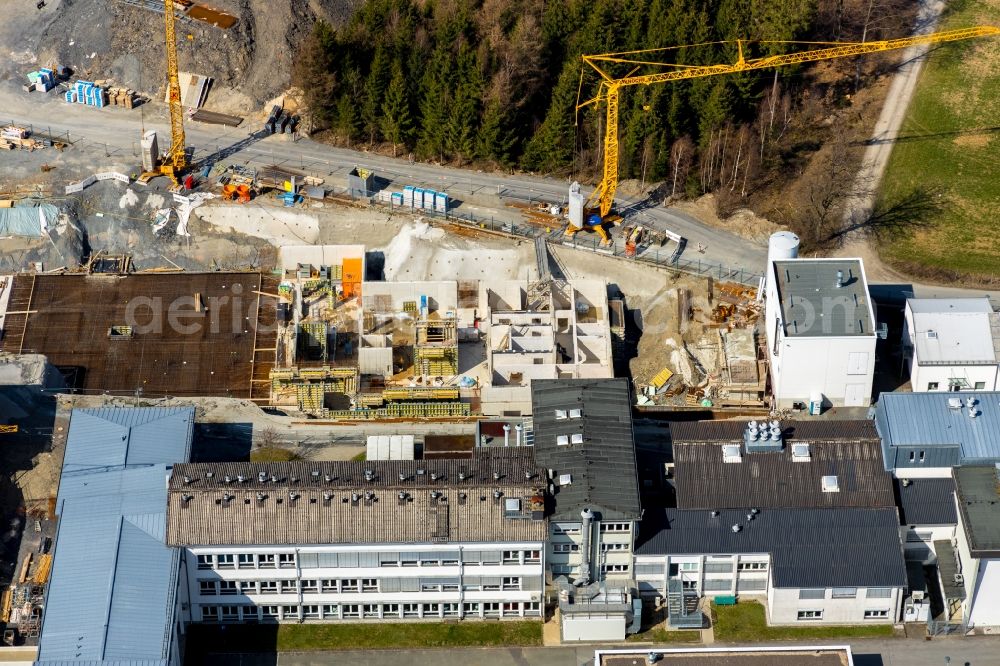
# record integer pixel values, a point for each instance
(955, 331)
(110, 598)
(602, 468)
(808, 547)
(775, 479)
(926, 501)
(938, 305)
(977, 489)
(113, 436)
(329, 502)
(813, 306)
(731, 430)
(924, 419)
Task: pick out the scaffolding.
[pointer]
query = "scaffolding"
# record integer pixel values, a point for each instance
(404, 410)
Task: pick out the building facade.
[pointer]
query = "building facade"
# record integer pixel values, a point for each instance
(978, 546)
(375, 540)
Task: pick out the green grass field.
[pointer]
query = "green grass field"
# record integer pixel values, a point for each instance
(950, 144)
(746, 622)
(271, 638)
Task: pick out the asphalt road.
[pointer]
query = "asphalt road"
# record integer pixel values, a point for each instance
(117, 131)
(975, 651)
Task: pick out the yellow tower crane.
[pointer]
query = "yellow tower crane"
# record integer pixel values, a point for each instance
(176, 158)
(601, 200)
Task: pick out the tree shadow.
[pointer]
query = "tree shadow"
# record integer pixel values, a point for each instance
(232, 149)
(914, 210)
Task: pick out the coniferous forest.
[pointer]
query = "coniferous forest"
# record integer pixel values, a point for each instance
(496, 82)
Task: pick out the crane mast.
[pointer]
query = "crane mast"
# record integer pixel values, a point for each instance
(176, 159)
(602, 199)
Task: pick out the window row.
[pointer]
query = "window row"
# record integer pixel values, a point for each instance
(846, 593)
(870, 614)
(355, 585)
(367, 560)
(275, 613)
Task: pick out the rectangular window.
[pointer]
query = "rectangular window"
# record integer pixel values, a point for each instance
(614, 568)
(210, 613)
(230, 613)
(532, 557)
(878, 593)
(718, 585)
(845, 592)
(350, 585)
(369, 610)
(751, 585)
(224, 561)
(565, 529)
(812, 594)
(605, 547)
(432, 609)
(269, 612)
(718, 567)
(877, 614)
(511, 557)
(351, 610)
(245, 561)
(450, 610)
(228, 587)
(810, 615)
(913, 456)
(206, 587)
(286, 560)
(288, 586)
(932, 386)
(411, 610)
(689, 566)
(470, 609)
(532, 608)
(491, 609)
(511, 583)
(369, 585)
(290, 612)
(268, 587)
(310, 586)
(980, 386)
(614, 527)
(752, 566)
(265, 561)
(310, 612)
(204, 561)
(511, 609)
(390, 610)
(331, 611)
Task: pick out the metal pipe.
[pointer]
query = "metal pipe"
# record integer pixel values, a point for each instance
(587, 517)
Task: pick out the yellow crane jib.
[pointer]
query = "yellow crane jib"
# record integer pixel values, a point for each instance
(601, 200)
(176, 159)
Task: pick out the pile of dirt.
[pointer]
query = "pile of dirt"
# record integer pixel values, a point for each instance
(250, 62)
(743, 222)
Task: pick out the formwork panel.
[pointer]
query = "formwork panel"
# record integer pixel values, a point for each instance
(71, 316)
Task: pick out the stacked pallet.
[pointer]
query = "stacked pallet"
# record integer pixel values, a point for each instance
(123, 97)
(88, 93)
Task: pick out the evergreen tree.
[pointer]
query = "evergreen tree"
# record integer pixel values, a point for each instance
(551, 147)
(378, 79)
(397, 126)
(495, 140)
(433, 111)
(463, 114)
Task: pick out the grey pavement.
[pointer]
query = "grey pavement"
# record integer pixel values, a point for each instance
(969, 651)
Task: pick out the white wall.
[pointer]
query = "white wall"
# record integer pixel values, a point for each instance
(804, 365)
(922, 375)
(584, 628)
(784, 605)
(986, 601)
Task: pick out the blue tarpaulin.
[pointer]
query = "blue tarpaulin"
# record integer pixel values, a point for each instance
(27, 220)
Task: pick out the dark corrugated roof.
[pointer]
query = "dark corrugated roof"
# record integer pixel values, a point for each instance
(808, 547)
(926, 501)
(775, 479)
(978, 491)
(724, 431)
(602, 467)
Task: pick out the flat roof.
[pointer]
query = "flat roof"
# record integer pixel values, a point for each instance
(210, 353)
(957, 331)
(336, 502)
(111, 596)
(811, 303)
(809, 548)
(926, 419)
(823, 655)
(926, 501)
(977, 489)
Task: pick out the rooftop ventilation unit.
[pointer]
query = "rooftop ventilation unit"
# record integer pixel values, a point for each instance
(763, 437)
(562, 440)
(292, 495)
(800, 452)
(830, 484)
(461, 476)
(561, 414)
(576, 413)
(187, 480)
(327, 496)
(565, 479)
(402, 477)
(241, 479)
(434, 477)
(402, 496)
(731, 453)
(209, 475)
(497, 494)
(840, 279)
(735, 528)
(512, 505)
(315, 473)
(261, 477)
(954, 403)
(186, 498)
(274, 478)
(435, 494)
(228, 479)
(369, 475)
(327, 478)
(973, 412)
(369, 495)
(261, 497)
(577, 438)
(496, 476)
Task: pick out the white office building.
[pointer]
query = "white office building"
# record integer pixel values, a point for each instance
(951, 344)
(350, 541)
(820, 326)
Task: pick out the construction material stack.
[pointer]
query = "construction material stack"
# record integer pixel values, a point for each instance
(12, 137)
(88, 93)
(43, 80)
(123, 97)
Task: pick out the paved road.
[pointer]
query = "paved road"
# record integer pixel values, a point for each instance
(976, 651)
(477, 191)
